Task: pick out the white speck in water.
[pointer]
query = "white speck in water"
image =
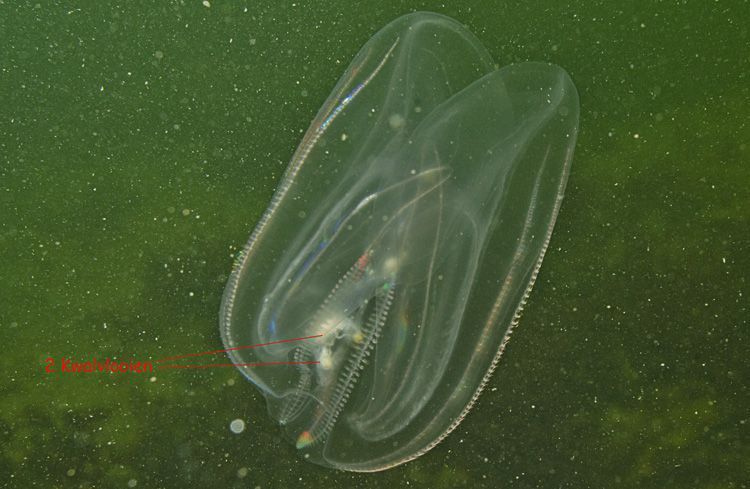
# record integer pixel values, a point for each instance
(158, 55)
(396, 121)
(206, 3)
(344, 136)
(237, 426)
(132, 483)
(242, 472)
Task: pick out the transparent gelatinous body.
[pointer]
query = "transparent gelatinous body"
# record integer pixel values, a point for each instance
(405, 236)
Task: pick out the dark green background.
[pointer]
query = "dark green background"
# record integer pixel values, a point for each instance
(629, 369)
